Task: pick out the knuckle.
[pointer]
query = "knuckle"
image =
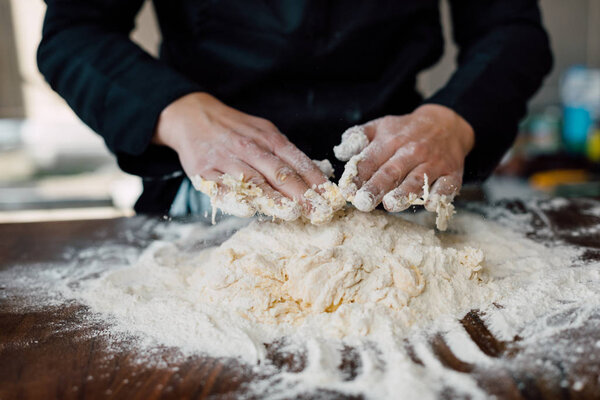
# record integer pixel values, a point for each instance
(366, 165)
(201, 165)
(415, 180)
(394, 140)
(420, 149)
(268, 125)
(243, 142)
(278, 141)
(203, 169)
(263, 123)
(388, 120)
(392, 169)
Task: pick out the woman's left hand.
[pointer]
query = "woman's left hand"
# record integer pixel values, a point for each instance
(432, 140)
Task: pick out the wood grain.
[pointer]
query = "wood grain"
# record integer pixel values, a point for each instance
(59, 351)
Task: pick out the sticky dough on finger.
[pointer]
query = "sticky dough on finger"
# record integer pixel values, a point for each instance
(241, 198)
(395, 201)
(244, 199)
(354, 140)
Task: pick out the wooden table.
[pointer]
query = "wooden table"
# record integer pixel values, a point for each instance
(39, 361)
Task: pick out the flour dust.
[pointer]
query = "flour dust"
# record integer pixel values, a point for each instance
(375, 286)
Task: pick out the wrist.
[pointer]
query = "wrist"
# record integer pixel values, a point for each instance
(171, 129)
(455, 123)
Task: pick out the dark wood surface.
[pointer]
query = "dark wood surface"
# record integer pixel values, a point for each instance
(39, 361)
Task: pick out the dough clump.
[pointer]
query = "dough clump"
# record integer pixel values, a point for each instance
(354, 140)
(273, 272)
(242, 198)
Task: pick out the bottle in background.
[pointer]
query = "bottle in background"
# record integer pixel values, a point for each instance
(580, 94)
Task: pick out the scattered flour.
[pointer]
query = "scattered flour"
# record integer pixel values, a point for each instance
(370, 282)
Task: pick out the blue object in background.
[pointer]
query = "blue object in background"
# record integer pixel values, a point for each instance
(576, 126)
(580, 94)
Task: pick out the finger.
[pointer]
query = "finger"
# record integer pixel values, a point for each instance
(370, 128)
(410, 191)
(375, 155)
(278, 174)
(285, 180)
(301, 163)
(444, 189)
(440, 199)
(361, 167)
(207, 174)
(268, 136)
(256, 191)
(315, 180)
(222, 195)
(207, 182)
(378, 152)
(385, 179)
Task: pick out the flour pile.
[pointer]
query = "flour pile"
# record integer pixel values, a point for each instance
(360, 271)
(366, 282)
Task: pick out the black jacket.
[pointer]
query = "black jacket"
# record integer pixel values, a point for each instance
(312, 67)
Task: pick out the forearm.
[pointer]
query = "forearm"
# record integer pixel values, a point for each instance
(112, 85)
(500, 67)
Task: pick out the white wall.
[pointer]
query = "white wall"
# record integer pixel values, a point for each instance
(574, 27)
(11, 99)
(39, 101)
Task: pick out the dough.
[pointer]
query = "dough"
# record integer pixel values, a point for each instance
(440, 204)
(325, 167)
(275, 272)
(241, 198)
(353, 142)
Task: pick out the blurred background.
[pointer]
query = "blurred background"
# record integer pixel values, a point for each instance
(53, 167)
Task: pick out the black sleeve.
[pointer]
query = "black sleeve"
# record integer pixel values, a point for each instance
(504, 54)
(111, 84)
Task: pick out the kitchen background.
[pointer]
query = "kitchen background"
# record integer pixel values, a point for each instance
(53, 167)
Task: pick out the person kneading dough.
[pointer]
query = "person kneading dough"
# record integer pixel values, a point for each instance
(246, 94)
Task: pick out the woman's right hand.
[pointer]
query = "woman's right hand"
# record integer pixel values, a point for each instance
(213, 139)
